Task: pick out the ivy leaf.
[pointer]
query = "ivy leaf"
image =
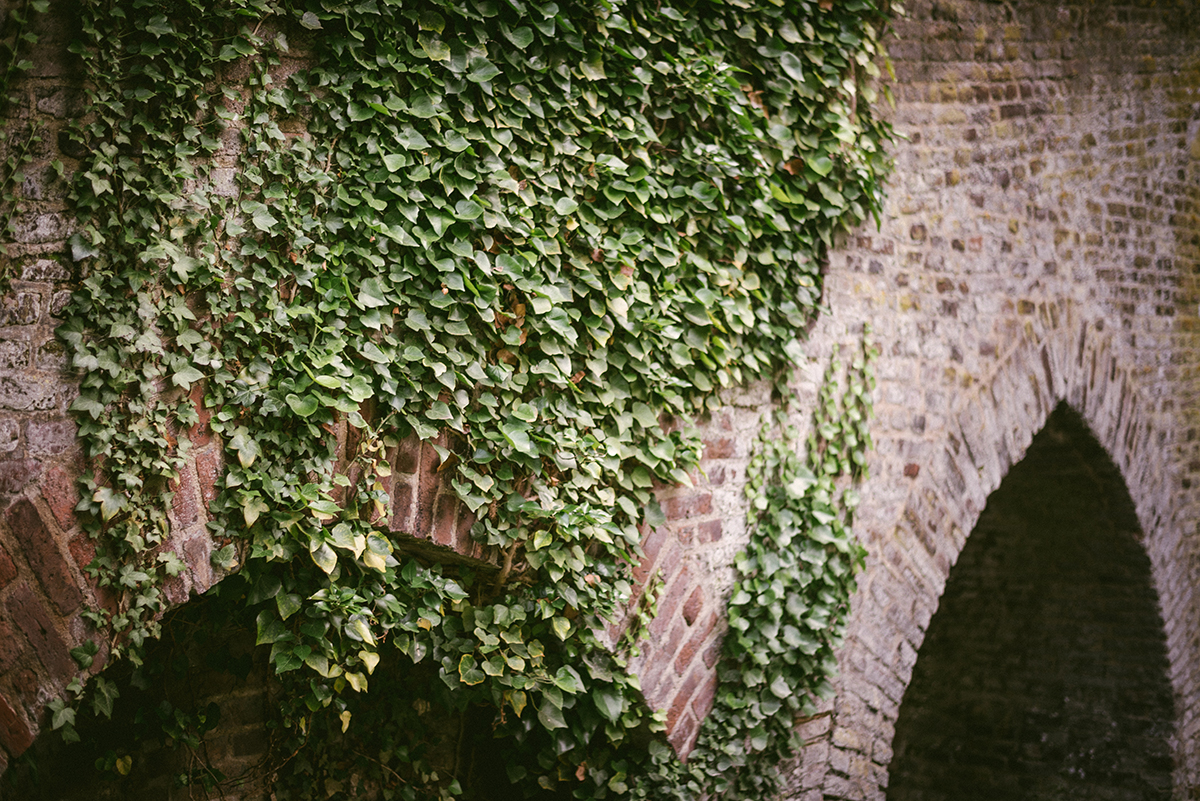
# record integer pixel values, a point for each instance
(270, 628)
(371, 294)
(567, 680)
(359, 112)
(551, 716)
(482, 70)
(245, 445)
(359, 629)
(792, 66)
(469, 672)
(310, 21)
(521, 38)
(822, 165)
(517, 699)
(645, 415)
(609, 702)
(322, 555)
(288, 604)
(302, 406)
(517, 434)
(86, 403)
(111, 502)
(225, 558)
(561, 626)
(435, 48)
(593, 69)
(252, 507)
(84, 654)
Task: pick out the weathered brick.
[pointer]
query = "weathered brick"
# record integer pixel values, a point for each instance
(8, 570)
(15, 474)
(50, 438)
(11, 646)
(693, 606)
(208, 470)
(443, 530)
(408, 455)
(690, 504)
(403, 503)
(44, 557)
(61, 494)
(720, 448)
(15, 734)
(31, 618)
(686, 653)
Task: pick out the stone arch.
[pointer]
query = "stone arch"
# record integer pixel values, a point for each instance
(1044, 671)
(1060, 357)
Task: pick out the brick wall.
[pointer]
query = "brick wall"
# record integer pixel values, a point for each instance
(1040, 244)
(1044, 671)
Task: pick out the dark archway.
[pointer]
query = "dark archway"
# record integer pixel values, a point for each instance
(1044, 672)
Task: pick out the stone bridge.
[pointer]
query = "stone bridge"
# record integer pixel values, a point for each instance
(1028, 619)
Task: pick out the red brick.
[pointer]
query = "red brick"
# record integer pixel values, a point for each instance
(402, 506)
(692, 504)
(83, 550)
(31, 617)
(712, 653)
(680, 702)
(671, 645)
(463, 543)
(678, 583)
(687, 653)
(911, 470)
(709, 531)
(443, 530)
(11, 646)
(15, 734)
(61, 494)
(185, 504)
(8, 570)
(682, 737)
(652, 543)
(656, 679)
(702, 701)
(693, 606)
(15, 474)
(208, 470)
(720, 448)
(429, 485)
(197, 553)
(42, 553)
(408, 456)
(28, 685)
(716, 475)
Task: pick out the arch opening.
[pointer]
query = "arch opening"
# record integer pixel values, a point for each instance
(1044, 673)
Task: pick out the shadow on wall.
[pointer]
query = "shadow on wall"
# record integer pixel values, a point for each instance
(202, 719)
(1044, 672)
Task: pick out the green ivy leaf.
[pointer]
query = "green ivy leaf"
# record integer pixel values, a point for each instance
(469, 672)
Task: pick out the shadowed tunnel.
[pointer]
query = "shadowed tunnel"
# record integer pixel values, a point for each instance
(1044, 672)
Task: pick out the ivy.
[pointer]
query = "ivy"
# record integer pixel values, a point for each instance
(531, 234)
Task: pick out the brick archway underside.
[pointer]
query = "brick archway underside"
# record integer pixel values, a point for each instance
(1044, 672)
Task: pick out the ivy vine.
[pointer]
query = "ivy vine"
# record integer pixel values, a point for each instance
(536, 232)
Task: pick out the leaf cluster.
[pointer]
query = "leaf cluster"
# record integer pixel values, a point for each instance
(539, 237)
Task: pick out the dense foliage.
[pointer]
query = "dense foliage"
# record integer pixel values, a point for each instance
(542, 232)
